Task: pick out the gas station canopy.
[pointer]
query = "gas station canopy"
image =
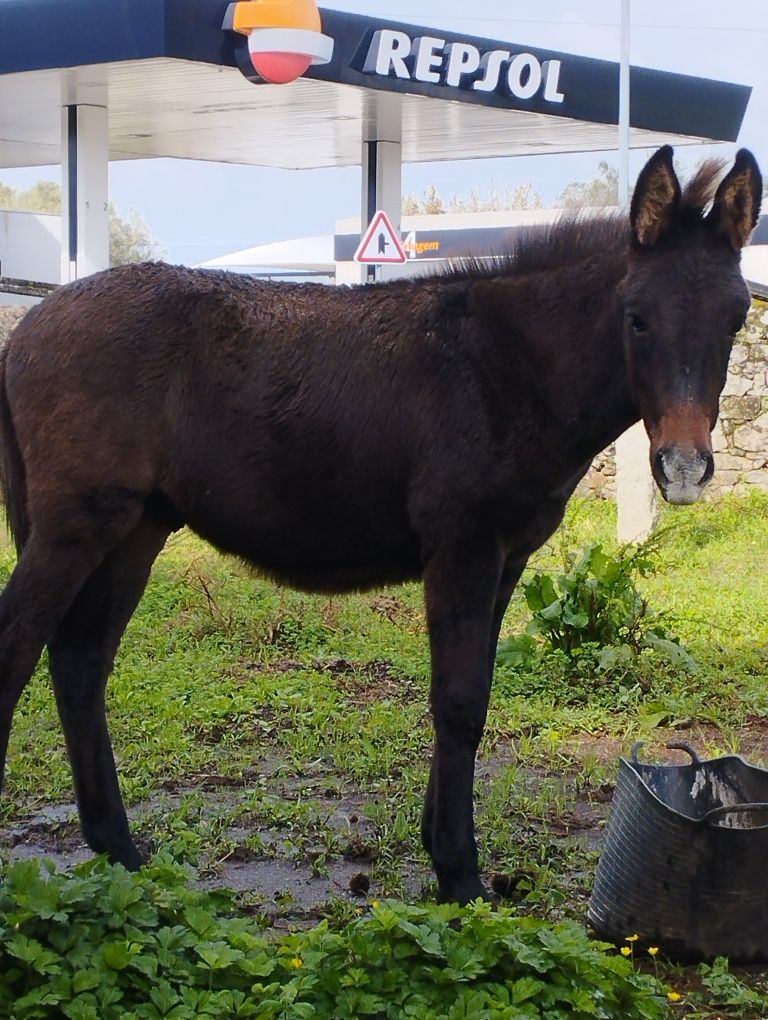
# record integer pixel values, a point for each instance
(169, 74)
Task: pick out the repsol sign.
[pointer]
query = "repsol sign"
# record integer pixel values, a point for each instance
(461, 65)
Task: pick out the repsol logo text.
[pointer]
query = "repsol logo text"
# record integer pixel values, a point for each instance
(434, 61)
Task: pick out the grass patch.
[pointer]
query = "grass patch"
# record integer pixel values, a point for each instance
(260, 727)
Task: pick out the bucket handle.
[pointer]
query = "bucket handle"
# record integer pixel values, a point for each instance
(720, 812)
(682, 745)
(715, 813)
(673, 745)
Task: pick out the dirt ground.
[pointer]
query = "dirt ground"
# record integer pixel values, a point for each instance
(285, 883)
(288, 884)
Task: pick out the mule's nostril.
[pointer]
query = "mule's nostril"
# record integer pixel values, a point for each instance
(658, 461)
(709, 470)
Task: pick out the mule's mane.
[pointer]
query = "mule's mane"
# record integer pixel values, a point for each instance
(700, 190)
(542, 246)
(583, 234)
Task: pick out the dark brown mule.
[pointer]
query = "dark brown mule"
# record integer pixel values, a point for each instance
(346, 438)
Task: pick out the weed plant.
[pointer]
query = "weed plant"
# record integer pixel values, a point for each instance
(102, 944)
(591, 622)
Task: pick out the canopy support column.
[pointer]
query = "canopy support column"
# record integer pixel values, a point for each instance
(636, 503)
(382, 177)
(84, 190)
(382, 185)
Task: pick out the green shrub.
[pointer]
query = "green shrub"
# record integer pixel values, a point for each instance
(593, 614)
(102, 944)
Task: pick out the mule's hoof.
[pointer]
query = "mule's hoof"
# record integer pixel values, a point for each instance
(133, 861)
(115, 841)
(128, 856)
(464, 893)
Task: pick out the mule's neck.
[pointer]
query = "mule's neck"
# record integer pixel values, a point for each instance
(561, 331)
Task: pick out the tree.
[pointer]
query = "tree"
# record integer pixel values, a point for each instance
(42, 197)
(600, 191)
(129, 238)
(430, 203)
(523, 196)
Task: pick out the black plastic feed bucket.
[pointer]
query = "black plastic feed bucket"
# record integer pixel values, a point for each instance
(685, 864)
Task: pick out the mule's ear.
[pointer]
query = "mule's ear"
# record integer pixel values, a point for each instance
(656, 198)
(736, 208)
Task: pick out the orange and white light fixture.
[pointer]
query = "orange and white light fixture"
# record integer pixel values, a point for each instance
(284, 36)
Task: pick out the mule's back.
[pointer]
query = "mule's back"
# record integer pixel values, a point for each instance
(283, 423)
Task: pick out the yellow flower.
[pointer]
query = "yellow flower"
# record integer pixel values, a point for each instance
(674, 996)
(374, 904)
(625, 950)
(297, 962)
(632, 938)
(653, 950)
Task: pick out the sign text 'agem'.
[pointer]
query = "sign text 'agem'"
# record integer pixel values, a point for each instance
(433, 61)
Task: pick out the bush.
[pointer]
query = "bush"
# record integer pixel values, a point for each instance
(102, 944)
(593, 614)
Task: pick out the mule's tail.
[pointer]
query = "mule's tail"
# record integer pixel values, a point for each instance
(13, 480)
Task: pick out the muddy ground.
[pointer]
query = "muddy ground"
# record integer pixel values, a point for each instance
(258, 860)
(287, 884)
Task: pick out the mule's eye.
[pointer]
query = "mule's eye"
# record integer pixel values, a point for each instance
(638, 325)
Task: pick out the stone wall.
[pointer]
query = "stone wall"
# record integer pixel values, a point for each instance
(9, 316)
(740, 439)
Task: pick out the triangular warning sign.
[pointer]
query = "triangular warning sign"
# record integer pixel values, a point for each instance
(380, 242)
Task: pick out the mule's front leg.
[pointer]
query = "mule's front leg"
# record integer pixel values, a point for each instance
(510, 575)
(461, 585)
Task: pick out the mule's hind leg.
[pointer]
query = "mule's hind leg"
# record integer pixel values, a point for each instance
(53, 566)
(82, 653)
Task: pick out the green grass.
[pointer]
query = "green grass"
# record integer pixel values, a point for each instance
(243, 716)
(217, 667)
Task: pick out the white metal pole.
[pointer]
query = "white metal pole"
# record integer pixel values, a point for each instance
(624, 105)
(85, 190)
(636, 504)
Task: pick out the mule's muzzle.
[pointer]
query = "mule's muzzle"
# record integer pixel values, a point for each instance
(682, 473)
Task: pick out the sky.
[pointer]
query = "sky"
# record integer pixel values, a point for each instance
(197, 211)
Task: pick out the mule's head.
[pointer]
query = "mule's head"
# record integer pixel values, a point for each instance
(684, 299)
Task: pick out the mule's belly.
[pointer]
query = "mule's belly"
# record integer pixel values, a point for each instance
(360, 576)
(331, 560)
(302, 524)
